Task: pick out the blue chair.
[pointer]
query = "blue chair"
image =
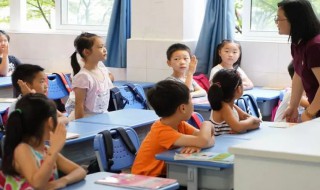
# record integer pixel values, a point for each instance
(195, 120)
(56, 88)
(122, 157)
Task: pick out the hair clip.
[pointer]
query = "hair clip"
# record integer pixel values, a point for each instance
(18, 110)
(218, 84)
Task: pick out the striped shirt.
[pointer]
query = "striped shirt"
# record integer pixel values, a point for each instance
(222, 127)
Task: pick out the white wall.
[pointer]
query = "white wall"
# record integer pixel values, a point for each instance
(156, 24)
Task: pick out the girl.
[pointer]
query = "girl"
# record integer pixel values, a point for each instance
(184, 65)
(91, 85)
(298, 20)
(7, 62)
(228, 56)
(226, 117)
(29, 127)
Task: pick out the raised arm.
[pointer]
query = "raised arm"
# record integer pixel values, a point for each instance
(4, 66)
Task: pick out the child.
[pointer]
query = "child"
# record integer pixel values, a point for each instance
(7, 62)
(279, 116)
(33, 122)
(171, 101)
(28, 78)
(69, 106)
(226, 117)
(228, 56)
(184, 65)
(91, 84)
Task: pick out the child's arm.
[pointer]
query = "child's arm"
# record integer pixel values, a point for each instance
(72, 171)
(80, 95)
(236, 125)
(202, 138)
(192, 68)
(62, 118)
(246, 82)
(198, 91)
(38, 177)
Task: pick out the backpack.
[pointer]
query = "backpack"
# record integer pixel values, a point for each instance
(203, 81)
(127, 96)
(249, 105)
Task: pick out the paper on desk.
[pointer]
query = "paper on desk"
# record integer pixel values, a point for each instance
(72, 135)
(7, 100)
(281, 124)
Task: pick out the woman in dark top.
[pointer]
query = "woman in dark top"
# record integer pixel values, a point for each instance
(7, 62)
(297, 19)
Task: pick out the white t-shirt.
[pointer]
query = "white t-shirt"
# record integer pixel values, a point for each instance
(218, 67)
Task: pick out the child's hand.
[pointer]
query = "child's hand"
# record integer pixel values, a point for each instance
(193, 65)
(5, 50)
(58, 138)
(190, 149)
(57, 184)
(24, 88)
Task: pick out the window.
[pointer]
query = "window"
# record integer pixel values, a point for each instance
(255, 18)
(84, 14)
(5, 14)
(35, 15)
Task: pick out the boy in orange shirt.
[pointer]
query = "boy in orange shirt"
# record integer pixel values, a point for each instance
(171, 101)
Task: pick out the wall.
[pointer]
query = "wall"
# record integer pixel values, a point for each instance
(166, 22)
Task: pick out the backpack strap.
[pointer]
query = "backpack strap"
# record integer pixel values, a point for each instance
(254, 104)
(64, 81)
(196, 119)
(126, 139)
(107, 138)
(138, 96)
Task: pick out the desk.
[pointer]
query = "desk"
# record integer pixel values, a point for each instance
(145, 85)
(139, 119)
(88, 183)
(80, 150)
(6, 89)
(287, 160)
(196, 175)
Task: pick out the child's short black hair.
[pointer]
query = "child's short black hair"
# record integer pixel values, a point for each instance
(25, 72)
(176, 47)
(2, 32)
(291, 69)
(166, 96)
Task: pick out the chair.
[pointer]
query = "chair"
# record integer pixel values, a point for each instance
(195, 120)
(56, 88)
(122, 157)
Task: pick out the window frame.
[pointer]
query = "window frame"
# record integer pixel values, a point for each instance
(250, 35)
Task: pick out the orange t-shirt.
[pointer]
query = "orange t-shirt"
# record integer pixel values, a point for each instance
(160, 138)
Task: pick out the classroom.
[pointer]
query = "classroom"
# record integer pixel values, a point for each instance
(274, 156)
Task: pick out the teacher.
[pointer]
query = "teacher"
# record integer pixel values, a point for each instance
(297, 19)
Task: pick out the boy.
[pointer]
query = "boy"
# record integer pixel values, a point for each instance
(28, 78)
(172, 102)
(183, 66)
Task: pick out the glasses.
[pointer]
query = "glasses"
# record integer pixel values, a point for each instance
(276, 19)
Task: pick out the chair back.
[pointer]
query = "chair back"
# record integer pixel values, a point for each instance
(56, 88)
(122, 157)
(195, 120)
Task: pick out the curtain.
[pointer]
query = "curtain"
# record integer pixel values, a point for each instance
(118, 33)
(218, 24)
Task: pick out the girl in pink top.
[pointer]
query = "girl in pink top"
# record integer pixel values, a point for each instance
(92, 84)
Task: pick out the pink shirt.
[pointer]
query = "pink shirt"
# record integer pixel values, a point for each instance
(98, 92)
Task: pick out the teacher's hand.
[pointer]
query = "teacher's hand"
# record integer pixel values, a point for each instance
(291, 115)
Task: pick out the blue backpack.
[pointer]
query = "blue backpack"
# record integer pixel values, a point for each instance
(249, 105)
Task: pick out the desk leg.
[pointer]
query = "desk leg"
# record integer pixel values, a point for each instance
(192, 177)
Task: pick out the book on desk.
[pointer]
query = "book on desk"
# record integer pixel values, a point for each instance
(136, 181)
(226, 158)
